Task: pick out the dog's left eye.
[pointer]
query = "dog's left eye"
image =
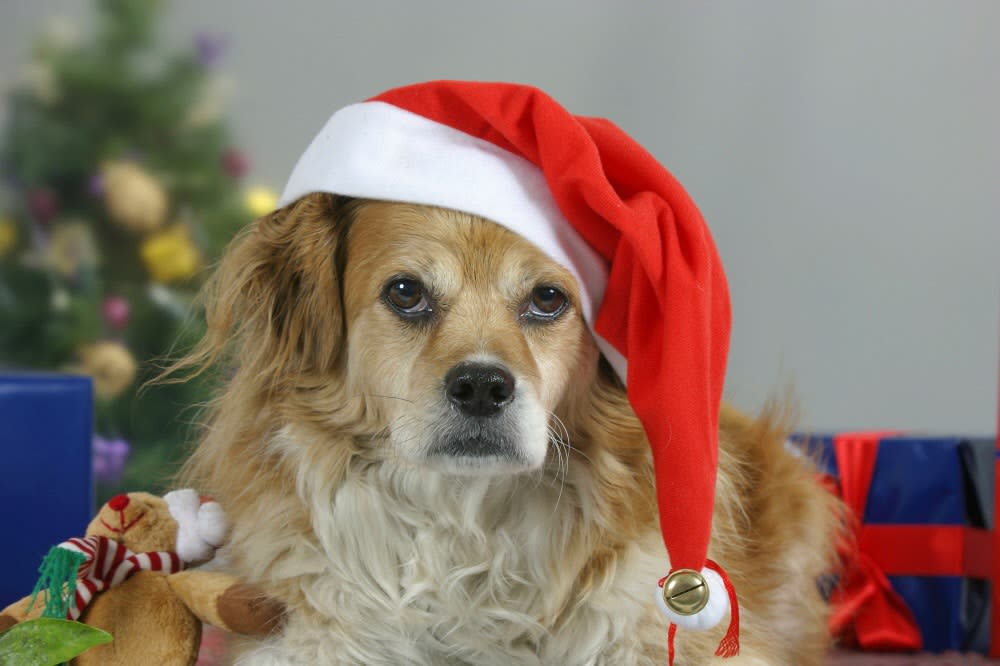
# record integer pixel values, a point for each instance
(407, 296)
(546, 302)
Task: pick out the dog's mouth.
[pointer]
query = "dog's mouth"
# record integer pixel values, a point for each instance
(473, 447)
(477, 454)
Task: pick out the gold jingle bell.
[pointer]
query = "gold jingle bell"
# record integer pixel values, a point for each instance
(685, 592)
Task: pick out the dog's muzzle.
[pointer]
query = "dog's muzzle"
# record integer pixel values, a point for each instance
(480, 395)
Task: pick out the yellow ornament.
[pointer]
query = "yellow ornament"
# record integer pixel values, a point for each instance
(61, 33)
(60, 300)
(111, 365)
(8, 235)
(40, 80)
(134, 199)
(170, 255)
(260, 201)
(71, 249)
(208, 108)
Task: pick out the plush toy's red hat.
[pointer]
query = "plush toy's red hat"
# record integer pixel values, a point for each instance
(653, 288)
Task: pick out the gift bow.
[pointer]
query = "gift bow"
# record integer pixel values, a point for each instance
(866, 608)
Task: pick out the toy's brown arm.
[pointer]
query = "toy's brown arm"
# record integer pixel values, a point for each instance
(223, 601)
(17, 612)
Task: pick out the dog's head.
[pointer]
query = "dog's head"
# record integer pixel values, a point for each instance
(465, 334)
(439, 338)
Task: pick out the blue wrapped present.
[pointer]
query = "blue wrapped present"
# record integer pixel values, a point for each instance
(46, 492)
(926, 510)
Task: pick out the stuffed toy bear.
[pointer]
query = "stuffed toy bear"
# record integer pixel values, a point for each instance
(128, 578)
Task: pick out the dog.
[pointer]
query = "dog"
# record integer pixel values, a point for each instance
(427, 460)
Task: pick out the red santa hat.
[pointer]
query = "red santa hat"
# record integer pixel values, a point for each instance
(652, 285)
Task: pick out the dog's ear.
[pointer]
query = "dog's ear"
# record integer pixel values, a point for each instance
(277, 291)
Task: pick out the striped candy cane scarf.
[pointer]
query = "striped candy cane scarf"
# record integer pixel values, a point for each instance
(105, 563)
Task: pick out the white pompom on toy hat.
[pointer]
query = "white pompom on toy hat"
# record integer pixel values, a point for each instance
(201, 524)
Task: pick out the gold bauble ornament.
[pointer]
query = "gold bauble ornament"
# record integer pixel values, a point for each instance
(208, 108)
(111, 365)
(260, 201)
(171, 256)
(134, 199)
(71, 249)
(40, 80)
(61, 33)
(8, 235)
(60, 300)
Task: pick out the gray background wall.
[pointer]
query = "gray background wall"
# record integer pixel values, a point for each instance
(846, 154)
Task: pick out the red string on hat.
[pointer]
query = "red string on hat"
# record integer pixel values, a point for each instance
(729, 646)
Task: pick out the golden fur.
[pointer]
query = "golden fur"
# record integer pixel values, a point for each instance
(316, 444)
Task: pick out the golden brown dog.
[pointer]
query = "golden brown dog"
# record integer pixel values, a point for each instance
(425, 457)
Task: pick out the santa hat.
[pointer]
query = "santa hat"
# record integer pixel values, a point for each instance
(652, 286)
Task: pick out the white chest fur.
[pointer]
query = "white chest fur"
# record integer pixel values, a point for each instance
(423, 568)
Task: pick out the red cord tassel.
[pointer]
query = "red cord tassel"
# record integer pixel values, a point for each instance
(729, 646)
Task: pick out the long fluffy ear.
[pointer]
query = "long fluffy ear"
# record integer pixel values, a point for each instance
(275, 298)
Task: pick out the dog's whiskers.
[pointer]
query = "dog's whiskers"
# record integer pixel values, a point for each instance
(388, 397)
(568, 444)
(560, 440)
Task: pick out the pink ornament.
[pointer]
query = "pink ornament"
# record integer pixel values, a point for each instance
(235, 163)
(42, 204)
(116, 311)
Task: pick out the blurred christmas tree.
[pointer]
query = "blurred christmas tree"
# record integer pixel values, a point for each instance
(120, 185)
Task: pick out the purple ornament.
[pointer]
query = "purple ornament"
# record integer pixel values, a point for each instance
(95, 185)
(42, 204)
(235, 163)
(10, 179)
(210, 48)
(116, 311)
(108, 458)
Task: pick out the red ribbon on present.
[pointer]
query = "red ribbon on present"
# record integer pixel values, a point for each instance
(868, 613)
(995, 588)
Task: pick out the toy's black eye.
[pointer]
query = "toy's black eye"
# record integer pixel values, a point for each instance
(546, 303)
(407, 296)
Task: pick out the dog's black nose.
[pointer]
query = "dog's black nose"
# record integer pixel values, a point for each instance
(479, 389)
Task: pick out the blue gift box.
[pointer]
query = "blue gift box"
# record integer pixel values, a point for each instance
(932, 481)
(46, 491)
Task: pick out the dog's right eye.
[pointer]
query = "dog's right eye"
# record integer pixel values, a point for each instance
(407, 296)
